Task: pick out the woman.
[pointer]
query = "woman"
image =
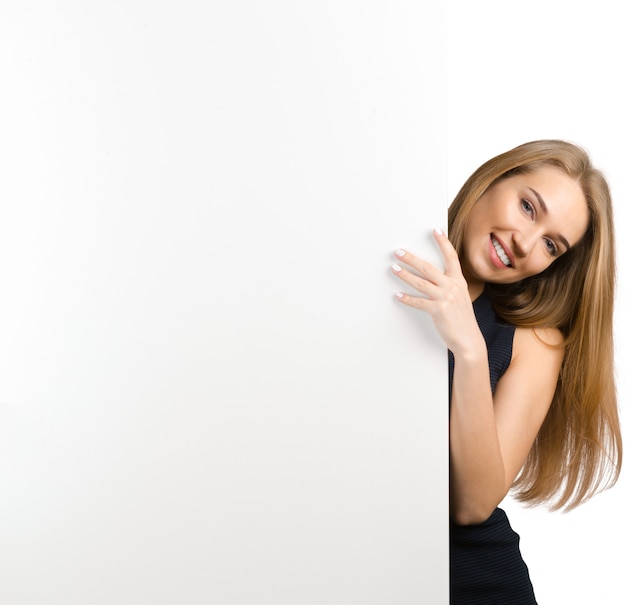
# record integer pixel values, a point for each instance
(525, 306)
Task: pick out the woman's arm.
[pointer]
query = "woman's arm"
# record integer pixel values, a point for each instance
(490, 437)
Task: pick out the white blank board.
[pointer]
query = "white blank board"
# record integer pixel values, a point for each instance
(209, 393)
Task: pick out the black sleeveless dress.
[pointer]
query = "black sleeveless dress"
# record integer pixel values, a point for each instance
(486, 566)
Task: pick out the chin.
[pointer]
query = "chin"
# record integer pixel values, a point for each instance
(501, 279)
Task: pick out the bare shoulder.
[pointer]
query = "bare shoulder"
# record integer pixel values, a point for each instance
(538, 341)
(525, 392)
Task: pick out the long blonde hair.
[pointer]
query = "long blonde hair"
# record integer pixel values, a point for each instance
(578, 451)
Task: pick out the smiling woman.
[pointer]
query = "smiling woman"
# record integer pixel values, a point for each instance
(525, 307)
(512, 233)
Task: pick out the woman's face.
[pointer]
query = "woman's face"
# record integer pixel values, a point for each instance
(521, 225)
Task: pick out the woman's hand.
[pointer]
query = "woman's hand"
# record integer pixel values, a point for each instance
(444, 296)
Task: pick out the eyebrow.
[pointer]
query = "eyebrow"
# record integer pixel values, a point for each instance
(545, 211)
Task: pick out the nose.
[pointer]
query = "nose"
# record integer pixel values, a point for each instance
(524, 241)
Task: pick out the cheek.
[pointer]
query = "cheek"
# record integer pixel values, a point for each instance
(539, 263)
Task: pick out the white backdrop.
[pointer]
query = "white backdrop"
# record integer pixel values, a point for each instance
(548, 69)
(208, 393)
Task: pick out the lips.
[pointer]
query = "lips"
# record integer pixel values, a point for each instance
(504, 254)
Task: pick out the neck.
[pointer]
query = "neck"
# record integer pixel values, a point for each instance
(475, 289)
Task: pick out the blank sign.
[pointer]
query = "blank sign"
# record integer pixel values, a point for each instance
(209, 393)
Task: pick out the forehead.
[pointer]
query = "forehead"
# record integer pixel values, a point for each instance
(551, 179)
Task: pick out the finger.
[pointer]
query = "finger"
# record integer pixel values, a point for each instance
(451, 260)
(423, 268)
(416, 282)
(416, 302)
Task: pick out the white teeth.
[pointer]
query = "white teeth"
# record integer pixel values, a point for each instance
(500, 252)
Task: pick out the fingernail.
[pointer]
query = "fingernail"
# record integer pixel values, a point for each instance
(399, 295)
(396, 267)
(439, 231)
(400, 252)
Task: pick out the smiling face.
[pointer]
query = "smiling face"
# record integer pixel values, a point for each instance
(521, 225)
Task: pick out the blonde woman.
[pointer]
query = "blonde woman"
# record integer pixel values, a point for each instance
(525, 307)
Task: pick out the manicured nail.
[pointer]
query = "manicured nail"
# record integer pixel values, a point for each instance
(396, 267)
(400, 252)
(439, 231)
(399, 295)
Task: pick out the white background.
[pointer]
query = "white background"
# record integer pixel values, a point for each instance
(519, 72)
(208, 393)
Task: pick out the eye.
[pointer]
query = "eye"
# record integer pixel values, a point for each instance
(552, 247)
(528, 208)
